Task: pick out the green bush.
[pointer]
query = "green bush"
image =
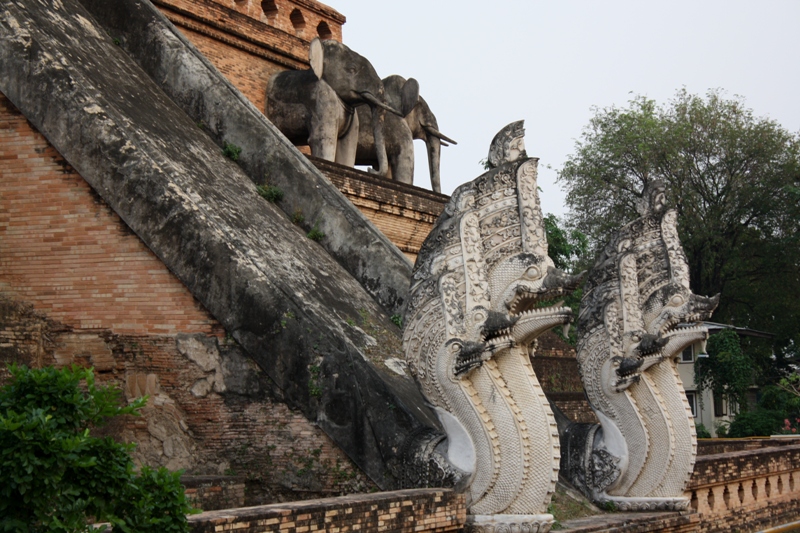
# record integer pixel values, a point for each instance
(54, 475)
(756, 423)
(702, 432)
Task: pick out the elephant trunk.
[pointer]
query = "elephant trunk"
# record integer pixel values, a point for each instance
(378, 119)
(434, 145)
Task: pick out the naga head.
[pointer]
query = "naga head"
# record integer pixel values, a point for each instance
(510, 285)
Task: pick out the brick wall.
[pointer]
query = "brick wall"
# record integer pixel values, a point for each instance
(214, 492)
(404, 213)
(551, 345)
(65, 251)
(418, 510)
(557, 370)
(300, 18)
(77, 286)
(557, 374)
(574, 405)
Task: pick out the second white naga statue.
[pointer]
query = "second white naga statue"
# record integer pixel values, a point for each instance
(637, 315)
(475, 307)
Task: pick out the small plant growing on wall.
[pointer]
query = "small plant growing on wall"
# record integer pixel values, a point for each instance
(297, 217)
(315, 234)
(231, 151)
(398, 321)
(271, 193)
(314, 388)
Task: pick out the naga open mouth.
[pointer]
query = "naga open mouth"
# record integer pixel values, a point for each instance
(529, 316)
(503, 331)
(697, 309)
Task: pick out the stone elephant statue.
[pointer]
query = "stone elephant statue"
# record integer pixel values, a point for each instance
(317, 106)
(418, 122)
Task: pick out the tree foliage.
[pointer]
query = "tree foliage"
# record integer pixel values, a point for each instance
(735, 181)
(569, 250)
(727, 371)
(55, 476)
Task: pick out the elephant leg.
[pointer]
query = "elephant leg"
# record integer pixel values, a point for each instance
(378, 120)
(326, 116)
(403, 166)
(399, 149)
(348, 140)
(322, 140)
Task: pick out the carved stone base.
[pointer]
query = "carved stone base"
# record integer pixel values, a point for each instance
(508, 523)
(645, 504)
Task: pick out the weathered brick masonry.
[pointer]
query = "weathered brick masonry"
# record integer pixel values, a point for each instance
(404, 213)
(77, 286)
(418, 510)
(214, 492)
(65, 251)
(557, 370)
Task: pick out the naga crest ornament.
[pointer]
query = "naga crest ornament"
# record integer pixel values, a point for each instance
(476, 304)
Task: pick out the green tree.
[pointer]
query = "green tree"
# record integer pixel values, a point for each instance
(735, 181)
(569, 250)
(55, 476)
(727, 371)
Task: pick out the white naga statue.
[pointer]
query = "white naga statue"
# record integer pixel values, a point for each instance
(637, 315)
(476, 304)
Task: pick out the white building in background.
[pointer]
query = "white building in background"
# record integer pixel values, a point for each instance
(709, 410)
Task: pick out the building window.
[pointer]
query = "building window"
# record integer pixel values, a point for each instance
(298, 21)
(324, 31)
(719, 406)
(269, 8)
(687, 356)
(691, 397)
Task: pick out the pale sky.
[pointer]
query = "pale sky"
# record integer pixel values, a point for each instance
(482, 65)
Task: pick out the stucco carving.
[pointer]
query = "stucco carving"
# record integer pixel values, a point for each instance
(637, 314)
(472, 316)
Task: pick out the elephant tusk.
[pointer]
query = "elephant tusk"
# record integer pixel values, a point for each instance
(433, 131)
(369, 97)
(444, 143)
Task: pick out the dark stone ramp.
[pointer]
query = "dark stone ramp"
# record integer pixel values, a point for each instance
(281, 296)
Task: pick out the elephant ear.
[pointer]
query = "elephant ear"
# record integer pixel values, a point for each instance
(316, 55)
(409, 96)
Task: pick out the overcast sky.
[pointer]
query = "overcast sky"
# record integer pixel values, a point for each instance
(482, 65)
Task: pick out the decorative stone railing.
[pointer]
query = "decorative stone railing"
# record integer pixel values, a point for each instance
(751, 487)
